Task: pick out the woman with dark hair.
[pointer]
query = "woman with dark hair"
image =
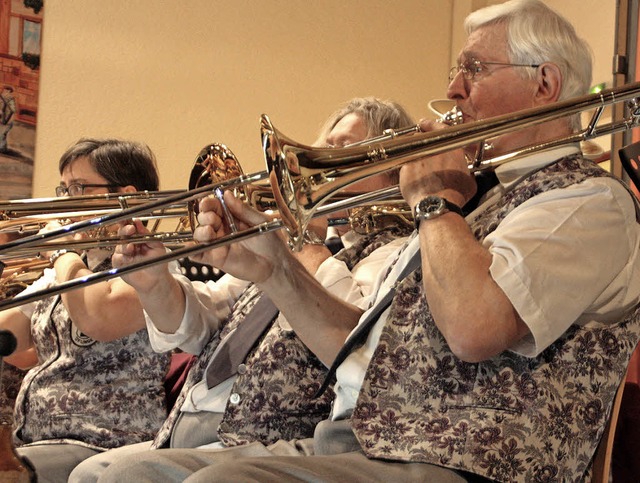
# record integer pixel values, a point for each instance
(97, 384)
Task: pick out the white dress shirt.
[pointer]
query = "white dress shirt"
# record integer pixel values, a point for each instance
(206, 303)
(550, 283)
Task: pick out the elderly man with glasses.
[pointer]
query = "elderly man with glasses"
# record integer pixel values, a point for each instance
(496, 341)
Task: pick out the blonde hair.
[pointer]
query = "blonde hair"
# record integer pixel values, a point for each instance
(378, 116)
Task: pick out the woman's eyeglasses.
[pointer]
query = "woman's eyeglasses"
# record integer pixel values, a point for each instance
(77, 189)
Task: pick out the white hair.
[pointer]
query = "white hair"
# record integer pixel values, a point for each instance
(537, 34)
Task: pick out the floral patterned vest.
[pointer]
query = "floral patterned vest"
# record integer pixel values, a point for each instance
(97, 394)
(273, 392)
(510, 418)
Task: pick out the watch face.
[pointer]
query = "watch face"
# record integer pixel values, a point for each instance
(431, 206)
(434, 207)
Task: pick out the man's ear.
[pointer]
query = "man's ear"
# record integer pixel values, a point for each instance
(549, 80)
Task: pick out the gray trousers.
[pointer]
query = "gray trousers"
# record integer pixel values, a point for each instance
(54, 462)
(191, 430)
(333, 455)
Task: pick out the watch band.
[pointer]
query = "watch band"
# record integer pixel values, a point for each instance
(58, 253)
(453, 207)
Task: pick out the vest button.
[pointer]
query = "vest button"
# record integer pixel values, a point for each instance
(234, 398)
(242, 369)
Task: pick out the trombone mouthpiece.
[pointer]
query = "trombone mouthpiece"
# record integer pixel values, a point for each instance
(446, 111)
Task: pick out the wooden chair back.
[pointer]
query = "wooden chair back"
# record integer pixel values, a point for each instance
(602, 459)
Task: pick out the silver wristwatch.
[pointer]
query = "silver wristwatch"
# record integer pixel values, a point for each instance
(58, 253)
(433, 207)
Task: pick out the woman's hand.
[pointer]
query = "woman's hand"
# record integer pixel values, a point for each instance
(129, 253)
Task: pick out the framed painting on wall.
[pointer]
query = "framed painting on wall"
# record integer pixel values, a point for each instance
(20, 40)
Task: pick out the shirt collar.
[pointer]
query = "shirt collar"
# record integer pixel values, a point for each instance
(509, 173)
(513, 171)
(350, 238)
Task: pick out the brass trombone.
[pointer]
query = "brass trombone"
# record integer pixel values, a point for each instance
(370, 218)
(306, 178)
(21, 218)
(214, 163)
(303, 178)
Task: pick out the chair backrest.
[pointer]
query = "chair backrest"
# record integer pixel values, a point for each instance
(601, 468)
(625, 464)
(630, 159)
(200, 272)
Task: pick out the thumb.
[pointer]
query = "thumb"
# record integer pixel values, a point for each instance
(242, 212)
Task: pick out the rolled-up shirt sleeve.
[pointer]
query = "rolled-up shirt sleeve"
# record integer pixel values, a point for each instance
(47, 279)
(207, 305)
(553, 258)
(334, 275)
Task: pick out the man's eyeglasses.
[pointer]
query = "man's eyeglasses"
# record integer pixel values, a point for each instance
(470, 68)
(77, 189)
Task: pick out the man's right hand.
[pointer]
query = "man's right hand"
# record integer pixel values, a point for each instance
(445, 174)
(253, 259)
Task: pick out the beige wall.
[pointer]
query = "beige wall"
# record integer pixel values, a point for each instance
(180, 74)
(595, 21)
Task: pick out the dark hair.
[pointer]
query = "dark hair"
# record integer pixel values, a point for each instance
(121, 163)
